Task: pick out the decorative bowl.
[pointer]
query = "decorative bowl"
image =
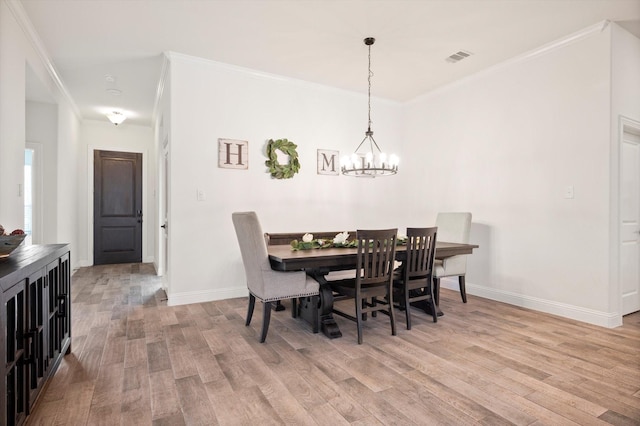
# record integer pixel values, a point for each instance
(9, 243)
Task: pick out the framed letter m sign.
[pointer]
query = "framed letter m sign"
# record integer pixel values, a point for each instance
(233, 154)
(328, 162)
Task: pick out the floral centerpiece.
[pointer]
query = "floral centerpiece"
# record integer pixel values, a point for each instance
(340, 240)
(308, 242)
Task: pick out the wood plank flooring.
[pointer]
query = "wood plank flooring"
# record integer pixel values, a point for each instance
(136, 361)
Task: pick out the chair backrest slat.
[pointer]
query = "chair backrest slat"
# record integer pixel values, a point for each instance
(421, 250)
(376, 253)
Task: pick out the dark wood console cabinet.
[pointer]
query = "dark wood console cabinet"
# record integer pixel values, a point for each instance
(35, 317)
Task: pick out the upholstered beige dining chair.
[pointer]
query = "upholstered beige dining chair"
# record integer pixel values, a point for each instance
(263, 282)
(452, 228)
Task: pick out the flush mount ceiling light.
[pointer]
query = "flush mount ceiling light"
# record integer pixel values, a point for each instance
(116, 117)
(368, 160)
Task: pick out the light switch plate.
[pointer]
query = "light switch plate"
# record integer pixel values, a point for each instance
(568, 192)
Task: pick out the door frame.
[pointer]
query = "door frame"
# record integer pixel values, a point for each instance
(626, 125)
(163, 211)
(90, 199)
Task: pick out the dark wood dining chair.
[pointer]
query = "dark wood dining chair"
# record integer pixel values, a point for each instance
(263, 282)
(413, 281)
(371, 287)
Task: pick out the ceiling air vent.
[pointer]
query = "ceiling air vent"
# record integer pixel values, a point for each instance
(458, 56)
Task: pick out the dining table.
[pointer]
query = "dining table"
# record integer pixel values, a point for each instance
(318, 263)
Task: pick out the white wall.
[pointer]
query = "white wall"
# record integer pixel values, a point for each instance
(15, 49)
(102, 135)
(20, 49)
(505, 144)
(625, 91)
(42, 129)
(211, 101)
(69, 162)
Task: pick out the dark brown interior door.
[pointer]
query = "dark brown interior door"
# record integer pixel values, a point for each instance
(117, 207)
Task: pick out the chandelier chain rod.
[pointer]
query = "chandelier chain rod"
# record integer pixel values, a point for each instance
(374, 143)
(369, 91)
(365, 138)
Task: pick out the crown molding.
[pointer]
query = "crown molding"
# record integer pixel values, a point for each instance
(562, 42)
(32, 36)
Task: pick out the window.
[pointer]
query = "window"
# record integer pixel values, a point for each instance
(28, 194)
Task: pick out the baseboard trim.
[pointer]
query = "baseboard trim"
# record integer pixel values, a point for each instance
(185, 298)
(578, 313)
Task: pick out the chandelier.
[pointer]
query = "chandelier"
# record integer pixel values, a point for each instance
(368, 160)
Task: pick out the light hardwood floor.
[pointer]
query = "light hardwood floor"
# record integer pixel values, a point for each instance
(136, 361)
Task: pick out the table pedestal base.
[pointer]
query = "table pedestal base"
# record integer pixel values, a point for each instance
(316, 310)
(329, 326)
(427, 307)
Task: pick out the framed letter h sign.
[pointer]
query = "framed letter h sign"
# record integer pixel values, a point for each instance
(233, 154)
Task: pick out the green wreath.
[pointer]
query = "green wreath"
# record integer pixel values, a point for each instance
(277, 170)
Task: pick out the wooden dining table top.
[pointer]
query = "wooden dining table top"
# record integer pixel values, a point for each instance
(284, 258)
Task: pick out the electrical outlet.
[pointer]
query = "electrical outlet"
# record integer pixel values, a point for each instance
(201, 195)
